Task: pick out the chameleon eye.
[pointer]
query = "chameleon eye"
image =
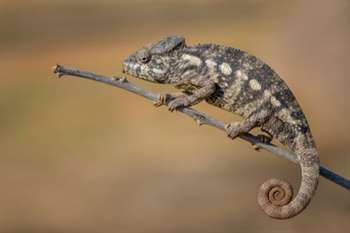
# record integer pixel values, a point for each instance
(145, 58)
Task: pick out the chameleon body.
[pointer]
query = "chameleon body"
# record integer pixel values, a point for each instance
(240, 83)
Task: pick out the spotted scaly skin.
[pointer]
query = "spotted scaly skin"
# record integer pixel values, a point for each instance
(240, 83)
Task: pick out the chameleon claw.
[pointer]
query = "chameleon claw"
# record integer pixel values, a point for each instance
(171, 109)
(162, 99)
(178, 102)
(156, 104)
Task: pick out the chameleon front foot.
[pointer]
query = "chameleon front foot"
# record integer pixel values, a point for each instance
(173, 100)
(178, 102)
(162, 100)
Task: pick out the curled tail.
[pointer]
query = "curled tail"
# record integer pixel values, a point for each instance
(275, 196)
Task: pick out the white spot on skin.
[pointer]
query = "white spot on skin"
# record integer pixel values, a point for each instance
(212, 69)
(211, 64)
(267, 94)
(193, 60)
(157, 71)
(241, 75)
(249, 108)
(225, 68)
(275, 102)
(144, 69)
(285, 115)
(233, 92)
(255, 85)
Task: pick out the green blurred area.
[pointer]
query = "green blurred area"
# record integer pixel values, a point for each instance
(79, 156)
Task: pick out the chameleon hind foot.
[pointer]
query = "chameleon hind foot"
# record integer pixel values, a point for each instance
(233, 129)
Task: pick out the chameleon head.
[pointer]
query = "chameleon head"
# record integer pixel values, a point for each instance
(155, 62)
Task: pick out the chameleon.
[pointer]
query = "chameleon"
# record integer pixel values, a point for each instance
(238, 82)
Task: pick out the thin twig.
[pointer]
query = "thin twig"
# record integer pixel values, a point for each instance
(199, 117)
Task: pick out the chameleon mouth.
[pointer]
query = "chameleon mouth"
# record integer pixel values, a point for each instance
(128, 66)
(133, 68)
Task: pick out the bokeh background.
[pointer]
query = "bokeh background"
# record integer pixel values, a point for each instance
(80, 156)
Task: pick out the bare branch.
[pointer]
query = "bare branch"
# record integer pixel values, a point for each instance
(199, 117)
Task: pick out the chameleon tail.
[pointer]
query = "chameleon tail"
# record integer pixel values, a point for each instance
(275, 196)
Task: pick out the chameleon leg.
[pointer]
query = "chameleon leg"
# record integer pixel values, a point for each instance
(208, 88)
(233, 129)
(163, 99)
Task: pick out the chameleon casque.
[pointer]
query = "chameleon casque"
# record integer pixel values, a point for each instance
(240, 83)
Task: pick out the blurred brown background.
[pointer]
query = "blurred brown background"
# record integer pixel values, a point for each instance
(79, 156)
